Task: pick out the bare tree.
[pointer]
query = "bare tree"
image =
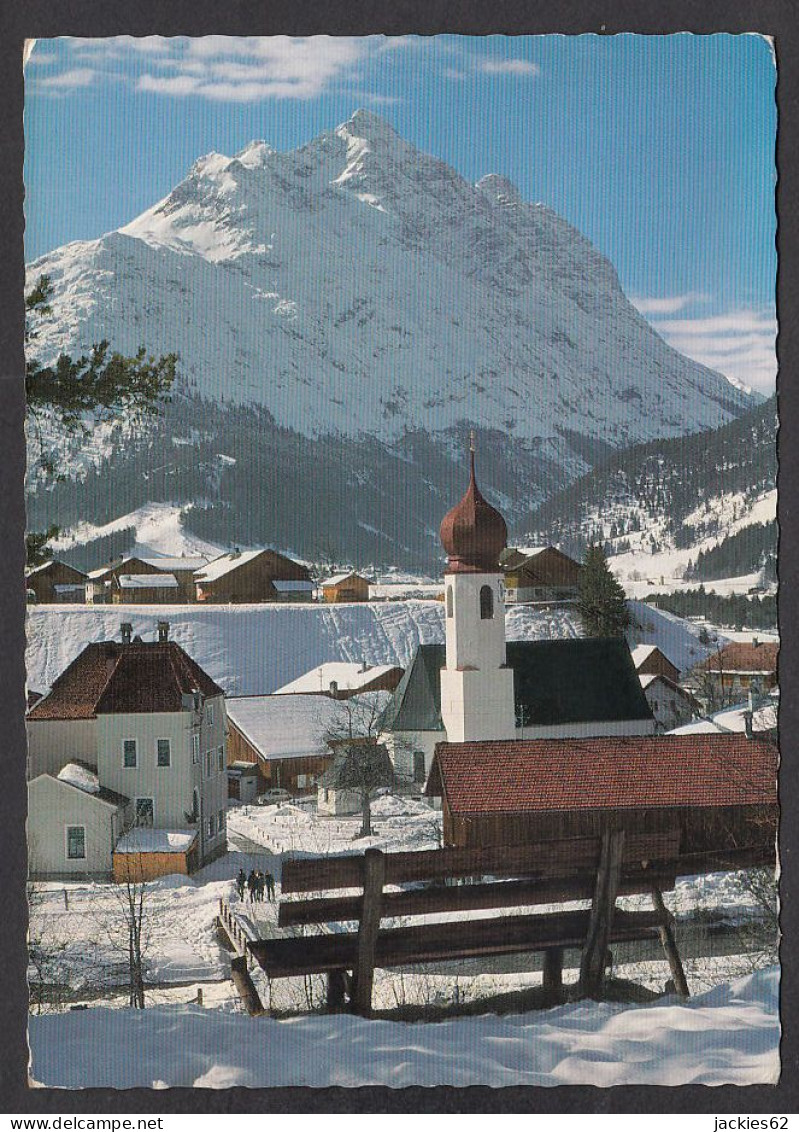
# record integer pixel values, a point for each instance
(361, 764)
(128, 923)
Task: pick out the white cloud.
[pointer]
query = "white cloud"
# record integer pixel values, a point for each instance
(739, 343)
(668, 305)
(521, 67)
(69, 80)
(217, 67)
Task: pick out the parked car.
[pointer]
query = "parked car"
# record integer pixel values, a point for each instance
(274, 797)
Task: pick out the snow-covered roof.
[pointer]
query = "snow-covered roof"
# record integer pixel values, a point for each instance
(80, 776)
(292, 585)
(641, 653)
(147, 581)
(531, 551)
(224, 564)
(109, 566)
(346, 676)
(764, 718)
(337, 579)
(177, 563)
(140, 840)
(297, 726)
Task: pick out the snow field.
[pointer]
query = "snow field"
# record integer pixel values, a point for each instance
(729, 1035)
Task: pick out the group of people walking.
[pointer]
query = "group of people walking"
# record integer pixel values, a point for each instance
(256, 884)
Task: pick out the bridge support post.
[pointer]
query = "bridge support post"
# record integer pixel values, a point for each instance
(670, 944)
(595, 948)
(374, 867)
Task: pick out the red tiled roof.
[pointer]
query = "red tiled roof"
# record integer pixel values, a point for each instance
(605, 773)
(743, 656)
(110, 676)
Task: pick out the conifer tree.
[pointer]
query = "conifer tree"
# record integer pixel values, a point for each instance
(601, 601)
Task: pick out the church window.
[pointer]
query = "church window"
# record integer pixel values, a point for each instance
(486, 603)
(449, 601)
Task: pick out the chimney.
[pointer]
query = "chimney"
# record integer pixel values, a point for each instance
(163, 631)
(755, 642)
(334, 688)
(748, 728)
(126, 631)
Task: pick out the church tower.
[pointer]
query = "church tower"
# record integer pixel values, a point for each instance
(477, 700)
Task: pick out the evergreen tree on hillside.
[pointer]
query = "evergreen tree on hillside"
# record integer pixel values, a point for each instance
(601, 602)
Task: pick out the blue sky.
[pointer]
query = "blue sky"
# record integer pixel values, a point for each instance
(660, 149)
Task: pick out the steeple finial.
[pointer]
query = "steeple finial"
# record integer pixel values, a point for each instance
(471, 454)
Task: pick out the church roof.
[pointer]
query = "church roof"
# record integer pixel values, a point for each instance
(556, 682)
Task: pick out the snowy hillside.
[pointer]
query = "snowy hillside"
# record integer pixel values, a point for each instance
(251, 649)
(358, 272)
(729, 1035)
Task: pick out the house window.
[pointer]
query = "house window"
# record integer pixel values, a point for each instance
(129, 753)
(212, 826)
(195, 749)
(163, 752)
(220, 821)
(208, 755)
(145, 813)
(76, 842)
(209, 714)
(327, 795)
(418, 766)
(301, 781)
(486, 603)
(449, 601)
(220, 759)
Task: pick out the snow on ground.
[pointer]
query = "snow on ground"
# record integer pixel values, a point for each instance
(159, 530)
(255, 649)
(676, 638)
(730, 1035)
(397, 823)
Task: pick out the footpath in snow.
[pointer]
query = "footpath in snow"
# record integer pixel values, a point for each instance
(729, 1035)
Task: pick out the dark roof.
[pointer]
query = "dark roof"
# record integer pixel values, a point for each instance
(145, 676)
(743, 656)
(579, 680)
(616, 772)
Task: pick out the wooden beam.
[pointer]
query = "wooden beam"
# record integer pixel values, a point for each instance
(592, 963)
(670, 944)
(550, 859)
(242, 981)
(463, 898)
(435, 943)
(336, 990)
(374, 874)
(553, 973)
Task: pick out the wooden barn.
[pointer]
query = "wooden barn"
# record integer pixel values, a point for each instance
(144, 589)
(715, 789)
(345, 587)
(650, 661)
(183, 568)
(246, 576)
(56, 582)
(539, 574)
(102, 582)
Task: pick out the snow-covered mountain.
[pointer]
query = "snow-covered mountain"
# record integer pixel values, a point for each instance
(356, 285)
(363, 294)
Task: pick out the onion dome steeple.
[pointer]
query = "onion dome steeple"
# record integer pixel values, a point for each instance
(473, 533)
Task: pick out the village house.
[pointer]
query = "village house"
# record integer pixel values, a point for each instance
(650, 661)
(103, 581)
(342, 679)
(515, 793)
(739, 666)
(345, 587)
(55, 581)
(539, 574)
(359, 767)
(670, 704)
(288, 737)
(253, 576)
(183, 568)
(757, 713)
(144, 589)
(476, 686)
(141, 729)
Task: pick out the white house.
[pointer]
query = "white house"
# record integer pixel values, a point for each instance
(151, 726)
